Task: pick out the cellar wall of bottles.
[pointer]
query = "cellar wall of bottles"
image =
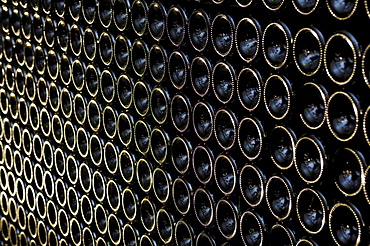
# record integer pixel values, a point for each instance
(183, 122)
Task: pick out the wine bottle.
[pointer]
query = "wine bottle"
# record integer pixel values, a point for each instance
(340, 65)
(62, 35)
(225, 174)
(71, 169)
(147, 215)
(110, 156)
(139, 57)
(40, 205)
(249, 88)
(184, 233)
(130, 234)
(126, 162)
(37, 144)
(282, 142)
(13, 105)
(306, 242)
(273, 5)
(93, 79)
(144, 174)
(252, 183)
(366, 184)
(180, 112)
(100, 218)
(79, 109)
(88, 237)
(95, 150)
(222, 32)
(106, 48)
(198, 29)
(203, 115)
(65, 69)
(114, 226)
(73, 197)
(312, 103)
(114, 195)
(23, 107)
(200, 75)
(125, 87)
(19, 52)
(107, 85)
(125, 125)
(162, 183)
(248, 38)
(40, 60)
(181, 150)
(204, 239)
(252, 228)
(31, 225)
(78, 74)
(85, 179)
(75, 7)
(159, 104)
(121, 9)
(49, 31)
(157, 62)
(279, 197)
(89, 10)
(147, 241)
(90, 42)
(244, 3)
(346, 224)
(139, 17)
(29, 55)
(227, 218)
(308, 49)
(165, 225)
(250, 137)
(38, 22)
(93, 115)
(225, 128)
(105, 12)
(156, 20)
(305, 7)
(277, 96)
(122, 46)
(75, 39)
(203, 204)
(178, 67)
(202, 162)
(99, 189)
(65, 102)
(130, 209)
(20, 81)
(342, 11)
(176, 24)
(141, 96)
(182, 193)
(26, 24)
(52, 64)
(223, 80)
(281, 235)
(342, 115)
(349, 178)
(310, 158)
(276, 42)
(60, 193)
(142, 132)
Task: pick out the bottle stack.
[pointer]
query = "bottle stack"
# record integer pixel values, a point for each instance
(184, 122)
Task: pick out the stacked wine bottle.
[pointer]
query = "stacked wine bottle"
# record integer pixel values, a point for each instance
(184, 122)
